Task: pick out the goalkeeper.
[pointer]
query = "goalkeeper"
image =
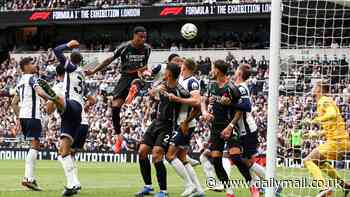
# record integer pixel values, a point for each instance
(337, 140)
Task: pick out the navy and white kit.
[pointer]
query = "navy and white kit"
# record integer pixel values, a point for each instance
(84, 126)
(246, 125)
(29, 114)
(178, 138)
(74, 95)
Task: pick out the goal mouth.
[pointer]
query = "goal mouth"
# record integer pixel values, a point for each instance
(314, 74)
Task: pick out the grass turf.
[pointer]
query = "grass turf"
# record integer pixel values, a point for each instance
(118, 180)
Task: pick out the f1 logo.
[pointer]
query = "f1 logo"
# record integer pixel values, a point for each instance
(39, 16)
(171, 10)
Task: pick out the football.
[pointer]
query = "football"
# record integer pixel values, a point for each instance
(189, 31)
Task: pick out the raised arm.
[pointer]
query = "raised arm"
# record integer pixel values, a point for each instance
(58, 51)
(117, 53)
(101, 66)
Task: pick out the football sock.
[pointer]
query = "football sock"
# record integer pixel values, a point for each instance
(242, 167)
(219, 169)
(181, 171)
(75, 173)
(30, 164)
(116, 119)
(315, 172)
(227, 165)
(258, 169)
(68, 166)
(145, 168)
(208, 168)
(194, 177)
(161, 175)
(330, 171)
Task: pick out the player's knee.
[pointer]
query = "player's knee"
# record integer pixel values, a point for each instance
(203, 157)
(35, 144)
(170, 156)
(65, 146)
(157, 154)
(156, 158)
(249, 162)
(235, 151)
(182, 155)
(64, 151)
(72, 152)
(117, 103)
(183, 160)
(171, 153)
(142, 152)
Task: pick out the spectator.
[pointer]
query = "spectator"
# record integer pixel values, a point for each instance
(173, 47)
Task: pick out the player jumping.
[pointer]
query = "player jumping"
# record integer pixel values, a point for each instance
(337, 140)
(77, 145)
(134, 55)
(70, 107)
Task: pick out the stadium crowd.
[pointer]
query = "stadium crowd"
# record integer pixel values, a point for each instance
(257, 39)
(295, 104)
(41, 4)
(63, 4)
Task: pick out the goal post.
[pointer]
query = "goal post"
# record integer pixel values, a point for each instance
(274, 73)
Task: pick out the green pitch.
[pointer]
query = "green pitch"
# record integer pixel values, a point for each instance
(116, 180)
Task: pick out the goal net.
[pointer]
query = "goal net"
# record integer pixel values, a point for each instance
(315, 39)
